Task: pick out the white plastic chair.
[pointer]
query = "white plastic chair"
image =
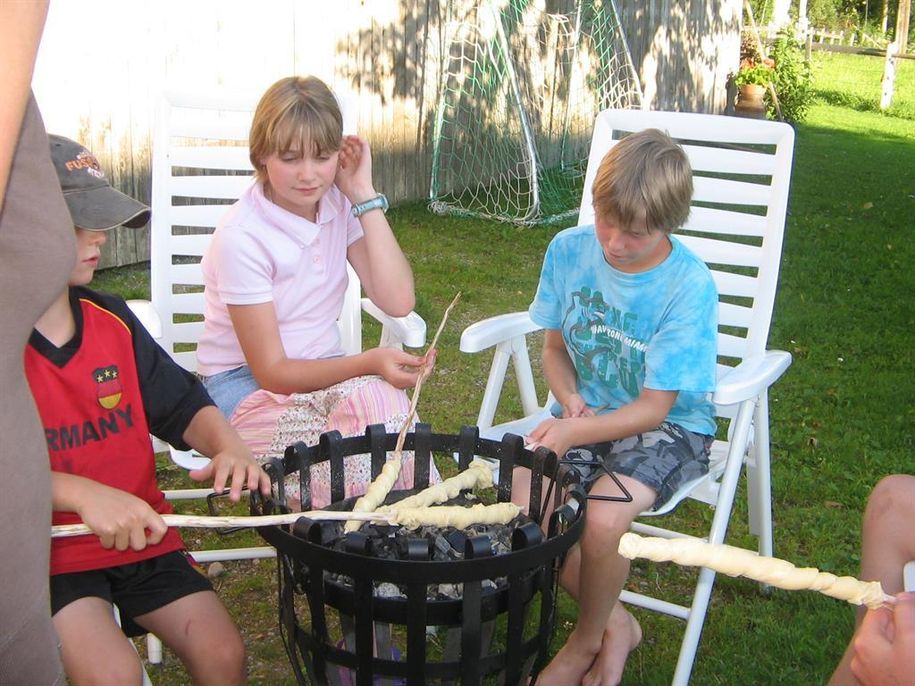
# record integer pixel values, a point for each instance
(200, 166)
(742, 169)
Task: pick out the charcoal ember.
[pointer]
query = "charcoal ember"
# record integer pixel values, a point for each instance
(442, 549)
(388, 590)
(457, 539)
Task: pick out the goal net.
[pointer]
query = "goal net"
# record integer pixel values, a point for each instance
(519, 92)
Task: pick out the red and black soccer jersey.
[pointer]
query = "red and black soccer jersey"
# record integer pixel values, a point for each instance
(99, 397)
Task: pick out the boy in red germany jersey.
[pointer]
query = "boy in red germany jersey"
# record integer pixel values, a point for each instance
(101, 385)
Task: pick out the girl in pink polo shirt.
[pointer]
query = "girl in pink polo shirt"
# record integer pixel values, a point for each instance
(275, 276)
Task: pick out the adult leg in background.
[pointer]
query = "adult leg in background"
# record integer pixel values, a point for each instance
(886, 545)
(37, 252)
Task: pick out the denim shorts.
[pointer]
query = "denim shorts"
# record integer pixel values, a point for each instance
(229, 388)
(663, 459)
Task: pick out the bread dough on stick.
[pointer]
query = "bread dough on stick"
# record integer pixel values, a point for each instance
(455, 516)
(368, 503)
(376, 493)
(735, 561)
(477, 475)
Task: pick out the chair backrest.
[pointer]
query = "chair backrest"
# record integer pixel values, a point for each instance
(741, 174)
(200, 166)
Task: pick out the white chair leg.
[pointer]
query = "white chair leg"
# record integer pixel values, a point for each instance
(694, 624)
(493, 391)
(703, 592)
(153, 649)
(908, 576)
(759, 480)
(117, 618)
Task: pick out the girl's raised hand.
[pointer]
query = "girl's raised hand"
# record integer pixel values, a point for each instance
(354, 169)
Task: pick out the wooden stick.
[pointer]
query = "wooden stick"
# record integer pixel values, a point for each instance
(382, 485)
(203, 522)
(419, 382)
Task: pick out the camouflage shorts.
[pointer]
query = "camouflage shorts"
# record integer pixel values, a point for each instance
(663, 459)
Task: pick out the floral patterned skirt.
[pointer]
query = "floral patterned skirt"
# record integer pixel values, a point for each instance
(269, 422)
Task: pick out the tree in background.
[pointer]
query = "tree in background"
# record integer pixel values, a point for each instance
(873, 16)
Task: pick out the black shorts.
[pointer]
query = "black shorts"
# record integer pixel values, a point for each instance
(136, 588)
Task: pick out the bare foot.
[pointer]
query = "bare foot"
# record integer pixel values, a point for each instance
(621, 637)
(569, 665)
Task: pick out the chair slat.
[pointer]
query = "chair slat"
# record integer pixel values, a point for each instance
(728, 192)
(187, 333)
(230, 128)
(217, 186)
(234, 157)
(188, 303)
(185, 274)
(722, 160)
(201, 216)
(695, 127)
(739, 285)
(727, 222)
(191, 244)
(730, 314)
(723, 252)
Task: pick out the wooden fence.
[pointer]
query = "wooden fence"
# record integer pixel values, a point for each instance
(102, 64)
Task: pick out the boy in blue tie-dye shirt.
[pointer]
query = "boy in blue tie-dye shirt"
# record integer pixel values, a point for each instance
(629, 353)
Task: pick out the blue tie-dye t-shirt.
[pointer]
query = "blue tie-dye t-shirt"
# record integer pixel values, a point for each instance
(655, 329)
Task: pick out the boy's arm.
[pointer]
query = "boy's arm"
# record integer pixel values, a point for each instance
(579, 424)
(119, 519)
(643, 414)
(561, 377)
(231, 461)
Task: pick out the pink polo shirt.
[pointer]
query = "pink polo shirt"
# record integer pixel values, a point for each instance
(262, 253)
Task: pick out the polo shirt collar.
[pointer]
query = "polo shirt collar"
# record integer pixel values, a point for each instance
(299, 228)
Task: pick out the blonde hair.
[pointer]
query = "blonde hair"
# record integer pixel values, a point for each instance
(644, 181)
(294, 112)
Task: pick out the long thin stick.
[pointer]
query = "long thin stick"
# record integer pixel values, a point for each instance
(203, 522)
(419, 382)
(378, 489)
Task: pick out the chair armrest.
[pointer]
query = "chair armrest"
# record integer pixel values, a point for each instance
(494, 330)
(149, 318)
(751, 377)
(188, 459)
(409, 330)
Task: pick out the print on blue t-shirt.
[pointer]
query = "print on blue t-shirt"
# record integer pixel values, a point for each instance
(600, 338)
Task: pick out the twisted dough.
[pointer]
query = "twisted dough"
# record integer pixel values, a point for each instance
(477, 475)
(376, 493)
(456, 516)
(740, 562)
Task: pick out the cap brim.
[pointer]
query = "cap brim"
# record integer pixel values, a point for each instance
(103, 208)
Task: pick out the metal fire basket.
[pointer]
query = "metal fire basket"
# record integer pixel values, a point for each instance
(348, 616)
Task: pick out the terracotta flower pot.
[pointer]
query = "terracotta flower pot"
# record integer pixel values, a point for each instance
(750, 101)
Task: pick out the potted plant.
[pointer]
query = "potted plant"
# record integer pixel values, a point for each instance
(751, 79)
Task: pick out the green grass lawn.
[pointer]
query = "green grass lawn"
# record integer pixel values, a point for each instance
(842, 417)
(855, 81)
